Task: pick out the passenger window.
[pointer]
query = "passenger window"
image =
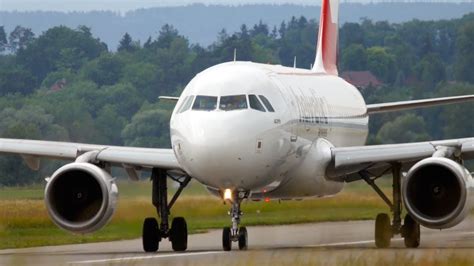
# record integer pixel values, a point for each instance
(234, 102)
(205, 103)
(266, 103)
(255, 103)
(187, 104)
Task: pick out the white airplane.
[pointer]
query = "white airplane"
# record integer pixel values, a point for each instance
(255, 131)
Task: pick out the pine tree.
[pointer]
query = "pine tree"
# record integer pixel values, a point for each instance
(126, 44)
(3, 39)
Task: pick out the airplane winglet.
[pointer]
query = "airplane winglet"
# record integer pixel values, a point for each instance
(326, 51)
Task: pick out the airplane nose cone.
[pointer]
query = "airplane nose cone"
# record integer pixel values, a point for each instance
(220, 150)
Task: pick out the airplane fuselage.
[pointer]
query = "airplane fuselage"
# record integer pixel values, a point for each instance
(266, 129)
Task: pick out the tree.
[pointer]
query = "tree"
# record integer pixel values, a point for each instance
(148, 128)
(143, 76)
(405, 128)
(3, 39)
(20, 37)
(110, 124)
(299, 42)
(15, 79)
(464, 66)
(167, 34)
(59, 48)
(453, 118)
(147, 44)
(31, 122)
(259, 28)
(105, 70)
(350, 33)
(381, 63)
(431, 70)
(126, 44)
(354, 57)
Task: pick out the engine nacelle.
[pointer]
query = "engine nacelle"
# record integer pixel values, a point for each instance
(81, 197)
(436, 192)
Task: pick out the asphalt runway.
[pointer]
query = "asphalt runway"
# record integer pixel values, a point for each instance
(330, 243)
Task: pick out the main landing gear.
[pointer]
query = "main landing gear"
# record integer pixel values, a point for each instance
(235, 233)
(153, 233)
(386, 229)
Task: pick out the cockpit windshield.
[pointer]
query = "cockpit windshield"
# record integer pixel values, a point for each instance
(226, 103)
(205, 103)
(233, 102)
(267, 103)
(186, 104)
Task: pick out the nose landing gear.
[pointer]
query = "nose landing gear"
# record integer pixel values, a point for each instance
(235, 233)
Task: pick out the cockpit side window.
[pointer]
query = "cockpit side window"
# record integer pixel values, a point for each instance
(233, 102)
(187, 104)
(205, 103)
(267, 103)
(255, 103)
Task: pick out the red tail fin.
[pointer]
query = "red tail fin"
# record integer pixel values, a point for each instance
(326, 53)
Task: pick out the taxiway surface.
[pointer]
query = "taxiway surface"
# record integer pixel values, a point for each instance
(327, 243)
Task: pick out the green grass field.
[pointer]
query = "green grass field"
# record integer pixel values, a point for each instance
(24, 221)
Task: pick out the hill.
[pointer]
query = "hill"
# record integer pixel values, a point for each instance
(200, 23)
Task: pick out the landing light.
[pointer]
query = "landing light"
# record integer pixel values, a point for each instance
(227, 194)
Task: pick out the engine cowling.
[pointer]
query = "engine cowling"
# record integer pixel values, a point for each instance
(81, 197)
(436, 192)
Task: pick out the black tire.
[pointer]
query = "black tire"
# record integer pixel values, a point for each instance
(243, 239)
(226, 239)
(383, 231)
(179, 234)
(151, 235)
(411, 232)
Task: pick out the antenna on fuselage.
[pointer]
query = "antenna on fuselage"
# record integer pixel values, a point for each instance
(294, 63)
(235, 54)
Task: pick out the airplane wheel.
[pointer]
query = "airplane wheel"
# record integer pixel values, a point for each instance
(411, 232)
(179, 234)
(226, 239)
(383, 231)
(150, 235)
(243, 240)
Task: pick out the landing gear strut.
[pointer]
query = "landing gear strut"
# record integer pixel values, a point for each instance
(234, 233)
(153, 233)
(384, 229)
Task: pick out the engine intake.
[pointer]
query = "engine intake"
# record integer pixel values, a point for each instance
(81, 197)
(436, 192)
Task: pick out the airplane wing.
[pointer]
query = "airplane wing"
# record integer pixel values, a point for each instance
(347, 162)
(407, 105)
(33, 150)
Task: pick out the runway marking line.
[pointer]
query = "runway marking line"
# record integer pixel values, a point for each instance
(347, 243)
(144, 257)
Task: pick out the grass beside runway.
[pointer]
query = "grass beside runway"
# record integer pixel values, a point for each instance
(24, 221)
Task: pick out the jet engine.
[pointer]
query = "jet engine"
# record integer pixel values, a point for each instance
(81, 197)
(436, 192)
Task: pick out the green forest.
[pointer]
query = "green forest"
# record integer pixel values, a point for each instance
(65, 84)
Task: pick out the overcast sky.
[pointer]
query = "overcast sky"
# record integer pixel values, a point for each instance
(126, 5)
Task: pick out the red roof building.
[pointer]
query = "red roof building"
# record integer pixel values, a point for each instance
(361, 79)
